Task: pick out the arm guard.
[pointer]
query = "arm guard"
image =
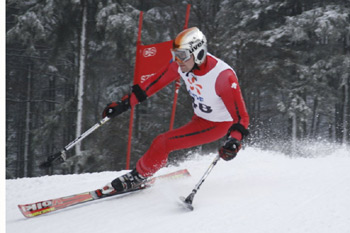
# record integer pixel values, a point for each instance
(139, 93)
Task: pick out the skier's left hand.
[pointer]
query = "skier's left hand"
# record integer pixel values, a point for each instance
(230, 149)
(116, 108)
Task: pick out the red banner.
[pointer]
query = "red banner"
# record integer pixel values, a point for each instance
(150, 58)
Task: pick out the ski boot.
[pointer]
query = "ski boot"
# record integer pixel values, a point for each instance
(124, 183)
(128, 181)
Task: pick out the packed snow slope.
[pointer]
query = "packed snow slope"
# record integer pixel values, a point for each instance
(258, 192)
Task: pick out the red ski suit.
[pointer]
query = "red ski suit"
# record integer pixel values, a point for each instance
(199, 130)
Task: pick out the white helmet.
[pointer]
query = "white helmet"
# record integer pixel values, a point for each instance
(190, 41)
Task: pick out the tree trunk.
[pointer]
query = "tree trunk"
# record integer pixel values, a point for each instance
(312, 133)
(345, 109)
(81, 77)
(19, 144)
(294, 133)
(28, 163)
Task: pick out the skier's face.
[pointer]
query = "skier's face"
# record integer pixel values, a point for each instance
(186, 66)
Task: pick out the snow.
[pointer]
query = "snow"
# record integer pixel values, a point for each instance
(258, 191)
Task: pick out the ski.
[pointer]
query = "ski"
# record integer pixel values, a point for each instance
(49, 206)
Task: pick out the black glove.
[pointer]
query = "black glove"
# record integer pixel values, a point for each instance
(116, 108)
(230, 149)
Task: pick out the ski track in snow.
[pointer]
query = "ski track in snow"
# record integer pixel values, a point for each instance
(257, 192)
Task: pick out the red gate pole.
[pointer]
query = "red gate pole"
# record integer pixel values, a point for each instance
(187, 15)
(131, 122)
(178, 81)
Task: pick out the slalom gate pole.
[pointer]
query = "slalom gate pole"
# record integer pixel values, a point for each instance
(62, 154)
(189, 199)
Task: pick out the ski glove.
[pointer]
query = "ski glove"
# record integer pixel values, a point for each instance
(230, 149)
(116, 108)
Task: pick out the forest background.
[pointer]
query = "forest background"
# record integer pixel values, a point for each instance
(292, 58)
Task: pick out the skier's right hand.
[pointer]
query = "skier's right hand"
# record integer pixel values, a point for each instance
(230, 149)
(116, 108)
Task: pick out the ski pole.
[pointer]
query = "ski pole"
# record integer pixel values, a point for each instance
(62, 154)
(189, 199)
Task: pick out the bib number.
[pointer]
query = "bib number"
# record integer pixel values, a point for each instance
(204, 108)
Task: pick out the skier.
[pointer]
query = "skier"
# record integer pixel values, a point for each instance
(219, 108)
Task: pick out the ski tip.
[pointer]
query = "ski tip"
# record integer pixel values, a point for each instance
(186, 205)
(24, 212)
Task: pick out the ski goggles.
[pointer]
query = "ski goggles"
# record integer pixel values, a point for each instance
(181, 55)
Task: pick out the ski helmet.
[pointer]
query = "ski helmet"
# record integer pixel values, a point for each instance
(190, 41)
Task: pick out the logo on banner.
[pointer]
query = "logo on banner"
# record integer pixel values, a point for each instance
(149, 52)
(146, 77)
